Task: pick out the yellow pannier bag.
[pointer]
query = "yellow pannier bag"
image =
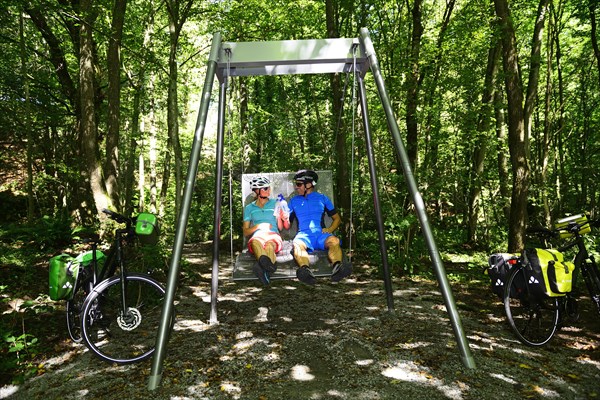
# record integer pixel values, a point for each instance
(549, 273)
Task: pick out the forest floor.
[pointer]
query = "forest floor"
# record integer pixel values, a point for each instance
(330, 341)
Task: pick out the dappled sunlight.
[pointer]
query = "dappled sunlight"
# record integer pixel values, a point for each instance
(194, 325)
(8, 390)
(262, 315)
(413, 345)
(232, 389)
(201, 293)
(409, 371)
(301, 373)
(588, 361)
(61, 359)
(504, 378)
(405, 292)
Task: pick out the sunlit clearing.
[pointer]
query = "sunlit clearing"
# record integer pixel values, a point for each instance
(231, 388)
(195, 325)
(301, 373)
(356, 292)
(408, 371)
(363, 363)
(504, 378)
(262, 315)
(336, 393)
(289, 287)
(373, 308)
(332, 321)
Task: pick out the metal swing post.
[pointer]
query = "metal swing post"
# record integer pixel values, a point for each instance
(218, 193)
(167, 310)
(375, 188)
(466, 356)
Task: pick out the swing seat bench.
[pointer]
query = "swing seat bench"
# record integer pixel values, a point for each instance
(282, 183)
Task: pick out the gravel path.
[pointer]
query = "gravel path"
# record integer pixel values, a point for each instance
(331, 341)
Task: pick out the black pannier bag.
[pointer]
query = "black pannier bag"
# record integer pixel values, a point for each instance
(498, 270)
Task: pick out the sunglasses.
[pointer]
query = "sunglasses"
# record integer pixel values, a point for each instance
(298, 184)
(265, 188)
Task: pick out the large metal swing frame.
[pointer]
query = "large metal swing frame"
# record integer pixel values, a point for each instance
(289, 57)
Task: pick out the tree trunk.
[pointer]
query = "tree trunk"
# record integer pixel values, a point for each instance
(534, 68)
(342, 176)
(412, 86)
(593, 5)
(58, 59)
(177, 18)
(111, 162)
(89, 137)
(547, 134)
(431, 129)
(502, 159)
(562, 185)
(517, 136)
(26, 123)
(131, 156)
(479, 153)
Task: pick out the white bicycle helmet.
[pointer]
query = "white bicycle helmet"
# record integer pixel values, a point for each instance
(259, 182)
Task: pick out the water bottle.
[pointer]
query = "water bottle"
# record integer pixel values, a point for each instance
(283, 206)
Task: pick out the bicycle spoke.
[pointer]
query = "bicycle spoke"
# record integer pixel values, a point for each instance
(533, 320)
(124, 336)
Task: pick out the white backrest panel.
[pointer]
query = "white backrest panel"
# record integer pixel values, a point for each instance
(283, 182)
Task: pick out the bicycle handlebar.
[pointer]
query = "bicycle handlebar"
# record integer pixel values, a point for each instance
(542, 232)
(572, 227)
(118, 217)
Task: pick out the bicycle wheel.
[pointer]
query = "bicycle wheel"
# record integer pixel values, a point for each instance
(74, 307)
(75, 303)
(534, 320)
(123, 336)
(591, 277)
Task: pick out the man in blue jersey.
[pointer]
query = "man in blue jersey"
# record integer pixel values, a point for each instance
(308, 207)
(262, 226)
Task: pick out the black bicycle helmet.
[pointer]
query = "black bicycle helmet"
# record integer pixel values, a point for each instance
(306, 175)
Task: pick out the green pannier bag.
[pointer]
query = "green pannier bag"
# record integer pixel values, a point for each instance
(86, 258)
(64, 270)
(146, 228)
(549, 274)
(61, 277)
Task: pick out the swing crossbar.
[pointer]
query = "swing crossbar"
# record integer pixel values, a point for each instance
(282, 183)
(290, 57)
